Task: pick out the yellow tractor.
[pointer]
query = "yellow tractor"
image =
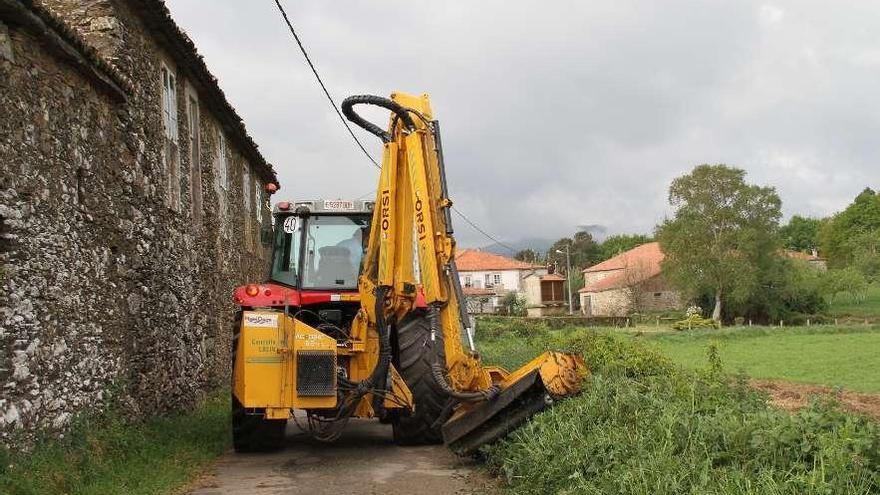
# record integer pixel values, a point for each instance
(363, 314)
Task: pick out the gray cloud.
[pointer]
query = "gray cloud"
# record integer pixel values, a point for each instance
(567, 113)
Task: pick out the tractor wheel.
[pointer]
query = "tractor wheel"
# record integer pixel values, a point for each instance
(251, 432)
(415, 357)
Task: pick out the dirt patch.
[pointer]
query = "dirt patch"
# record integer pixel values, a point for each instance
(794, 396)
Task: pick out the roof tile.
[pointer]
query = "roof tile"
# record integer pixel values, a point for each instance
(638, 264)
(472, 260)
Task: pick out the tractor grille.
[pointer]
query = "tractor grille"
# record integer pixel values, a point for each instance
(315, 373)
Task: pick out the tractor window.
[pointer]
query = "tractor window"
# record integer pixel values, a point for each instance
(333, 251)
(286, 251)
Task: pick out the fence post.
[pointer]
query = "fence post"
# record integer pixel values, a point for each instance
(750, 322)
(808, 322)
(781, 323)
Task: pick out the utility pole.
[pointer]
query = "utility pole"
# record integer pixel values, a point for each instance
(567, 253)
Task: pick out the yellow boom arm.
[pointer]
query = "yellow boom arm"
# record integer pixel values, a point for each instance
(412, 249)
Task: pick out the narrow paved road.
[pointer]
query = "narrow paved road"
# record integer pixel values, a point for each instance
(364, 461)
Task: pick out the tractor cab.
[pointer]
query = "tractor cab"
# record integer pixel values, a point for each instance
(317, 253)
(319, 245)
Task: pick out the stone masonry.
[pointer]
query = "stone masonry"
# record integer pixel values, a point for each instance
(131, 204)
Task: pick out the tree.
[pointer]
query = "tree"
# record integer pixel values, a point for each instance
(528, 255)
(854, 234)
(723, 232)
(800, 233)
(616, 244)
(844, 280)
(584, 251)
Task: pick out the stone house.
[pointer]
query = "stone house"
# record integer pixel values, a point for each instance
(487, 277)
(131, 203)
(630, 281)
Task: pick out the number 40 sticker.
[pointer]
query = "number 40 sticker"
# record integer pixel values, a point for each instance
(290, 225)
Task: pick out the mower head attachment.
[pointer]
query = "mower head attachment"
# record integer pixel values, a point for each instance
(523, 393)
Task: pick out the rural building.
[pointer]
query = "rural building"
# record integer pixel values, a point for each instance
(630, 281)
(487, 277)
(812, 258)
(131, 203)
(545, 293)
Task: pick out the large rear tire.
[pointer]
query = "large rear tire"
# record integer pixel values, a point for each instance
(252, 432)
(415, 357)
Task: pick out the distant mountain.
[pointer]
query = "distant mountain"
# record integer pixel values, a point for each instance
(539, 244)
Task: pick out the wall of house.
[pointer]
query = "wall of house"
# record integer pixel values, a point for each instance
(614, 302)
(510, 279)
(106, 289)
(532, 290)
(482, 304)
(657, 295)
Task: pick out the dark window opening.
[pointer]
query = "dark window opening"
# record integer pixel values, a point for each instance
(80, 186)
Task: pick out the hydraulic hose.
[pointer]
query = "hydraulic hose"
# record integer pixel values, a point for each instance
(379, 101)
(438, 371)
(438, 368)
(380, 373)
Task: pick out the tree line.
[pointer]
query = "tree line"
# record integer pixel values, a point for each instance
(726, 248)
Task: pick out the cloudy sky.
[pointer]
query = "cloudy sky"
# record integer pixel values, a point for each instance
(560, 114)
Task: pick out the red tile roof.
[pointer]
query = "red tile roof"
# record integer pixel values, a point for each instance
(552, 276)
(646, 254)
(798, 255)
(636, 265)
(472, 260)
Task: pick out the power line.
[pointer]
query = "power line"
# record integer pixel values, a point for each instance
(478, 229)
(321, 82)
(351, 132)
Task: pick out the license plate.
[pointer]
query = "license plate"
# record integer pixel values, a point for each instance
(338, 205)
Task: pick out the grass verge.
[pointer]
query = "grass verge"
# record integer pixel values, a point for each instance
(646, 426)
(107, 454)
(845, 357)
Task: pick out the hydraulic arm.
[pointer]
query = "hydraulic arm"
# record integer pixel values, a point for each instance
(409, 279)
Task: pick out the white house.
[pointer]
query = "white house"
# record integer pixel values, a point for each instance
(486, 278)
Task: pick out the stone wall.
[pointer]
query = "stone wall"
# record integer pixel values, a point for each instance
(104, 288)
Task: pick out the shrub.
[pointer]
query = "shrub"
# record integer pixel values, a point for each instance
(692, 322)
(514, 304)
(693, 318)
(786, 288)
(845, 281)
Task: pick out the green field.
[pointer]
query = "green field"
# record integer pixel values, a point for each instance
(847, 357)
(846, 305)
